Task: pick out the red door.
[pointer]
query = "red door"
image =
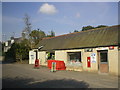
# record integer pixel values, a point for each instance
(88, 62)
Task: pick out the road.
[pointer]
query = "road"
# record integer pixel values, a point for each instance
(25, 76)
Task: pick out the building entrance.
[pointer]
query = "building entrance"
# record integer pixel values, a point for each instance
(103, 65)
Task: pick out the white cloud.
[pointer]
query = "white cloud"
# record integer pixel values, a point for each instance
(78, 15)
(48, 9)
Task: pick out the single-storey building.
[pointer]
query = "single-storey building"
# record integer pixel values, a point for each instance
(95, 50)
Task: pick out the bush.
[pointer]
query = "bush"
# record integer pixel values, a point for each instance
(18, 51)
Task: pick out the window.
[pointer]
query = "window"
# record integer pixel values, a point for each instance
(50, 56)
(74, 56)
(103, 56)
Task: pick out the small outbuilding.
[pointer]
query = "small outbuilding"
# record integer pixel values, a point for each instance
(95, 50)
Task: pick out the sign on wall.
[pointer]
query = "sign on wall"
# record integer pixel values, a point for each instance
(93, 57)
(32, 57)
(111, 47)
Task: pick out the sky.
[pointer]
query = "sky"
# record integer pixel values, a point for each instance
(61, 17)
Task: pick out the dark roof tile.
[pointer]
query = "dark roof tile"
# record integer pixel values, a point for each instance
(92, 38)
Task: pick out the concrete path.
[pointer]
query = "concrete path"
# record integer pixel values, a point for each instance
(25, 76)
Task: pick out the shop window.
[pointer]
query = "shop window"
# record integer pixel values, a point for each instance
(50, 56)
(74, 56)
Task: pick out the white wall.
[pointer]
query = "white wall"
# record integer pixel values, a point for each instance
(113, 61)
(61, 55)
(42, 57)
(32, 57)
(119, 62)
(6, 43)
(94, 65)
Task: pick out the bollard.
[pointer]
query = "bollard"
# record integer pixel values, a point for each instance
(53, 68)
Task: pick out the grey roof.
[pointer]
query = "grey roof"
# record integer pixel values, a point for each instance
(106, 36)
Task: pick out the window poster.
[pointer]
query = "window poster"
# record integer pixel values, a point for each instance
(93, 57)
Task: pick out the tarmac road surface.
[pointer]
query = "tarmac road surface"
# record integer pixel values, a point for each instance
(25, 76)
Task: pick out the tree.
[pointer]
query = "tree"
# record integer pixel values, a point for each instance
(22, 51)
(76, 31)
(36, 36)
(26, 42)
(52, 34)
(10, 54)
(87, 28)
(27, 29)
(91, 27)
(2, 47)
(18, 51)
(100, 26)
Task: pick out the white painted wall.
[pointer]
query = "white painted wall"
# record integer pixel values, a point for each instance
(6, 43)
(42, 57)
(61, 55)
(113, 61)
(32, 57)
(119, 62)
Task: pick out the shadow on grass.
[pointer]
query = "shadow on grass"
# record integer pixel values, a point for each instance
(30, 83)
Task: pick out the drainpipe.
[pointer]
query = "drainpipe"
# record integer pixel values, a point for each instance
(37, 51)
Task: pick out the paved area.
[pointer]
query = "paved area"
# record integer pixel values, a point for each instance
(25, 76)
